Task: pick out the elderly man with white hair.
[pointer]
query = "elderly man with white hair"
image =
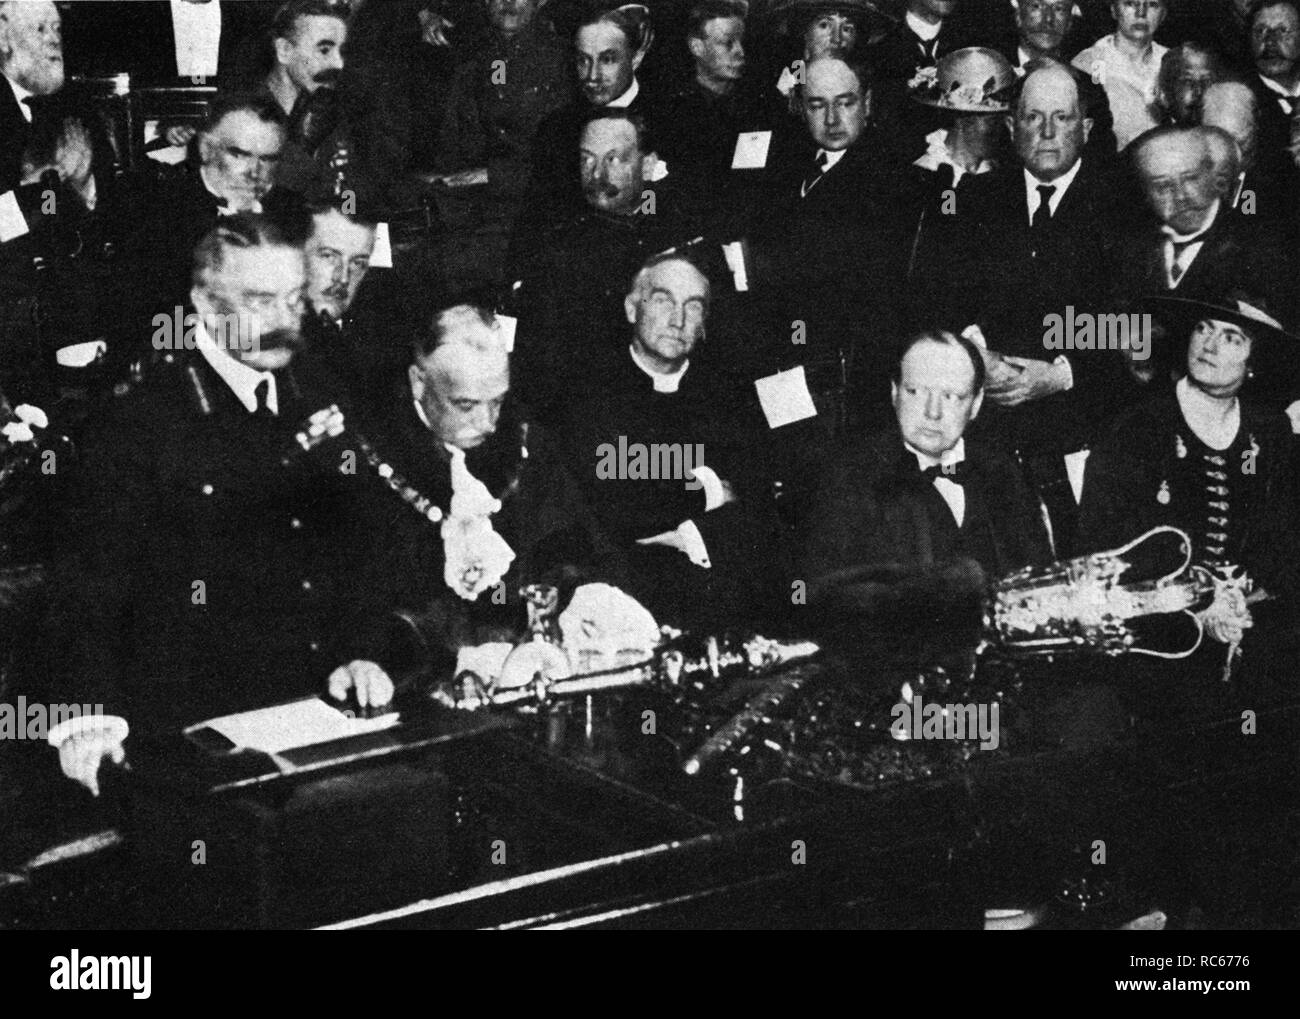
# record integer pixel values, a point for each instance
(469, 499)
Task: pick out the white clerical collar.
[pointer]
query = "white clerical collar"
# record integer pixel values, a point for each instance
(950, 456)
(1273, 86)
(21, 94)
(668, 383)
(626, 98)
(241, 379)
(923, 29)
(1178, 238)
(1062, 185)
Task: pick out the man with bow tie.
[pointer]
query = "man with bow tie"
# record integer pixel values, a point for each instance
(920, 495)
(1195, 247)
(210, 549)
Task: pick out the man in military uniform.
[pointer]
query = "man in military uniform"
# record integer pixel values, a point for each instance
(497, 99)
(211, 545)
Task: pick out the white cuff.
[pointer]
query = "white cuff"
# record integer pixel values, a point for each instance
(693, 541)
(976, 335)
(113, 726)
(1069, 372)
(714, 496)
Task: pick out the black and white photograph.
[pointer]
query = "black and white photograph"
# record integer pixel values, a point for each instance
(679, 466)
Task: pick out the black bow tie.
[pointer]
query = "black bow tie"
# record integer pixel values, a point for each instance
(957, 472)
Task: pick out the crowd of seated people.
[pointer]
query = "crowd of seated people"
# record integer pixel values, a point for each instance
(719, 302)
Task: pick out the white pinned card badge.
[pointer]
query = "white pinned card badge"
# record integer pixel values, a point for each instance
(751, 150)
(734, 253)
(784, 398)
(381, 256)
(507, 324)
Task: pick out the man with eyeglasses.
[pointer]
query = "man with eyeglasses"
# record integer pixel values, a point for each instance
(1274, 37)
(207, 551)
(667, 450)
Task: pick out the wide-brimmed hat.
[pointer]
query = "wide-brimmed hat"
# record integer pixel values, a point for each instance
(785, 13)
(1247, 311)
(1275, 352)
(971, 80)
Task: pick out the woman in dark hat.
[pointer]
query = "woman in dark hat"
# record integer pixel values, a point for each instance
(807, 29)
(1204, 459)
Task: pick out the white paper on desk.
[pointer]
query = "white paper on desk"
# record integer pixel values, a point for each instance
(751, 150)
(785, 398)
(13, 224)
(381, 256)
(296, 724)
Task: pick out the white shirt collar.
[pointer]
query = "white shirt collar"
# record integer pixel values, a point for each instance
(241, 379)
(20, 94)
(951, 456)
(831, 157)
(1062, 185)
(1023, 57)
(626, 98)
(923, 29)
(663, 383)
(1273, 86)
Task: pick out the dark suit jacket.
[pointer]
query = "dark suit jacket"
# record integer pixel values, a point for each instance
(712, 415)
(544, 519)
(1239, 253)
(835, 260)
(14, 132)
(143, 42)
(1008, 278)
(876, 508)
(159, 254)
(886, 566)
(180, 484)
